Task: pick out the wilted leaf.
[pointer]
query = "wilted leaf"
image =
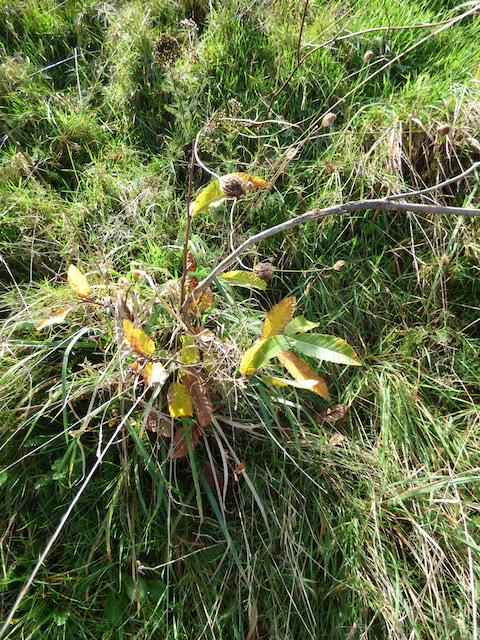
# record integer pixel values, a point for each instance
(56, 319)
(196, 388)
(180, 446)
(253, 182)
(244, 279)
(261, 352)
(78, 282)
(339, 264)
(211, 196)
(299, 325)
(158, 423)
(192, 281)
(301, 371)
(331, 414)
(202, 302)
(154, 373)
(189, 353)
(327, 348)
(138, 339)
(179, 401)
(278, 317)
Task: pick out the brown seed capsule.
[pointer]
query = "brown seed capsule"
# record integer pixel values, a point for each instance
(329, 119)
(339, 264)
(233, 186)
(367, 56)
(264, 270)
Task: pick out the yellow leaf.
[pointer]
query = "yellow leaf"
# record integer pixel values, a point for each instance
(179, 401)
(261, 352)
(189, 353)
(138, 339)
(300, 370)
(154, 373)
(78, 282)
(246, 366)
(244, 279)
(56, 319)
(278, 317)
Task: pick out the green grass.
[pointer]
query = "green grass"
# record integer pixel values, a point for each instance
(362, 528)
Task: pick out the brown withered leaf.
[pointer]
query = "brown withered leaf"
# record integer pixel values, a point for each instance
(202, 302)
(179, 448)
(158, 423)
(331, 414)
(192, 281)
(193, 382)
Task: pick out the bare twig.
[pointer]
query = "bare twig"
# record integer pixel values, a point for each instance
(342, 209)
(436, 187)
(302, 24)
(189, 223)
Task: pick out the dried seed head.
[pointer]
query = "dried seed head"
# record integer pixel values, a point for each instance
(367, 56)
(166, 49)
(339, 264)
(233, 186)
(329, 119)
(264, 270)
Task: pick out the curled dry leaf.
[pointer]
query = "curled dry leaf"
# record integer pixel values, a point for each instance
(331, 414)
(158, 423)
(339, 264)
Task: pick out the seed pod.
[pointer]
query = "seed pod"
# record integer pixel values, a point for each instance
(329, 119)
(339, 264)
(233, 186)
(367, 56)
(264, 270)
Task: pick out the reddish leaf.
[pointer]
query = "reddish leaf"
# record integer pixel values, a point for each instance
(194, 384)
(179, 447)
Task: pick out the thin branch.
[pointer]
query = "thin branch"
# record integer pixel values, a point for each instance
(435, 187)
(189, 224)
(342, 209)
(302, 24)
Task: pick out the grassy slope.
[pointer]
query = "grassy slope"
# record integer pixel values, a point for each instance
(94, 170)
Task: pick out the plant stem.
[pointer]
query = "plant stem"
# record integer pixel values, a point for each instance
(187, 229)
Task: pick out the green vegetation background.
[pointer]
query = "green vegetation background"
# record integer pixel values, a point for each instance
(372, 520)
